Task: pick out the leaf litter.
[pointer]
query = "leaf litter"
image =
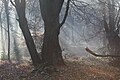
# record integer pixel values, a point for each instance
(73, 70)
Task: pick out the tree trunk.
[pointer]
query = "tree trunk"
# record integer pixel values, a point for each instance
(20, 8)
(114, 43)
(114, 48)
(51, 50)
(29, 41)
(112, 32)
(16, 50)
(2, 37)
(112, 28)
(7, 16)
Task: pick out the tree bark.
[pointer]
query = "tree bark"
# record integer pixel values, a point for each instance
(51, 50)
(29, 41)
(20, 8)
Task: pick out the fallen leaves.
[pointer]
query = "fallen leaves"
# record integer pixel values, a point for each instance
(74, 70)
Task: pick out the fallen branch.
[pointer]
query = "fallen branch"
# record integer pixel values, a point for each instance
(97, 55)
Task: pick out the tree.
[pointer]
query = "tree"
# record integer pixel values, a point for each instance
(20, 8)
(7, 16)
(51, 50)
(112, 27)
(2, 33)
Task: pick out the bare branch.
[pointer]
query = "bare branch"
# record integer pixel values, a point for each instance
(66, 13)
(12, 3)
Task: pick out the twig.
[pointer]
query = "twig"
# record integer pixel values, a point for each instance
(12, 3)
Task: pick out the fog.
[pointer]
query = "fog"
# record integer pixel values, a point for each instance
(75, 35)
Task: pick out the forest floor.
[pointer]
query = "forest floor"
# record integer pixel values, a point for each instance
(75, 69)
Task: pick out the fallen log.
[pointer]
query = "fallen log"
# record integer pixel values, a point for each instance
(98, 55)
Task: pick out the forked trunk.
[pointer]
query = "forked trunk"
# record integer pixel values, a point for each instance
(51, 50)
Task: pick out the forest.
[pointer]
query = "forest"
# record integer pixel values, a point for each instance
(59, 40)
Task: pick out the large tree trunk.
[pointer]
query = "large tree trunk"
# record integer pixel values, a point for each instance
(51, 50)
